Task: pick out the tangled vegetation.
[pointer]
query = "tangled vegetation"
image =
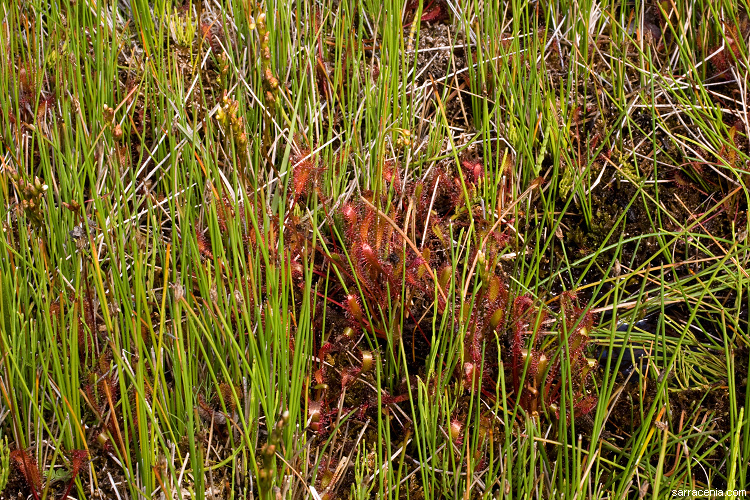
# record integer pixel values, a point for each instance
(355, 249)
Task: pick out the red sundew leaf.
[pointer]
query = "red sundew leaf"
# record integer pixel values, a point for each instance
(214, 33)
(301, 178)
(324, 350)
(45, 104)
(391, 400)
(349, 375)
(474, 170)
(353, 308)
(319, 376)
(305, 175)
(361, 413)
(204, 246)
(27, 465)
(494, 289)
(437, 13)
(224, 212)
(368, 261)
(364, 227)
(434, 10)
(350, 214)
(78, 460)
(321, 78)
(471, 376)
(585, 406)
(390, 175)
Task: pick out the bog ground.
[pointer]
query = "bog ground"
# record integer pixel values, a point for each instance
(373, 249)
